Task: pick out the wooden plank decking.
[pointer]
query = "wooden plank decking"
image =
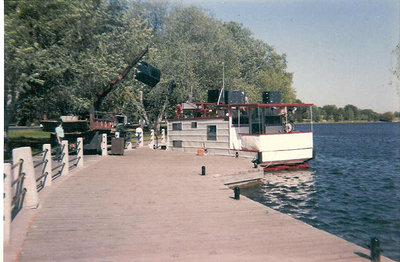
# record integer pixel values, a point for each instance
(154, 206)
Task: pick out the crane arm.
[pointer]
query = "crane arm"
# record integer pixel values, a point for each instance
(107, 89)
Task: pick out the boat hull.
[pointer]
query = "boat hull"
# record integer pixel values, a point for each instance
(279, 148)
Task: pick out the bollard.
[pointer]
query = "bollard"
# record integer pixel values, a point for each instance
(237, 192)
(139, 136)
(128, 145)
(65, 158)
(31, 199)
(129, 141)
(375, 250)
(203, 170)
(163, 141)
(80, 151)
(48, 164)
(104, 145)
(152, 141)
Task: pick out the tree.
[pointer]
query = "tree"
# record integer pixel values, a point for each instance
(316, 111)
(278, 81)
(351, 113)
(330, 111)
(60, 66)
(339, 115)
(396, 70)
(387, 117)
(194, 49)
(369, 115)
(60, 53)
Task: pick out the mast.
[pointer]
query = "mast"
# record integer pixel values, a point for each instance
(223, 83)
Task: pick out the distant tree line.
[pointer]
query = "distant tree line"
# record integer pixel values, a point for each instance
(332, 113)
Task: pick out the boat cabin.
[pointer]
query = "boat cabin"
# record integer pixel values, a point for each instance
(264, 132)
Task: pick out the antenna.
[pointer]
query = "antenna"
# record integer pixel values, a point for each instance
(223, 83)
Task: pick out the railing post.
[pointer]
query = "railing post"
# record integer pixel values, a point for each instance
(129, 141)
(80, 151)
(7, 202)
(163, 141)
(31, 199)
(139, 135)
(104, 145)
(151, 144)
(65, 159)
(47, 164)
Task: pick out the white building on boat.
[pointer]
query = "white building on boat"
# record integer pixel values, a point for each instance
(263, 132)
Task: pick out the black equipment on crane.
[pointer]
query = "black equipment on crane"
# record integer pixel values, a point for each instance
(144, 73)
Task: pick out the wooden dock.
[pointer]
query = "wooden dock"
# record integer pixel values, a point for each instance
(152, 205)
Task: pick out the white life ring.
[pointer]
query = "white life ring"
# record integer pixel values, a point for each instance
(288, 128)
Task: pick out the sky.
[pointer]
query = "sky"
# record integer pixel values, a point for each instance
(340, 51)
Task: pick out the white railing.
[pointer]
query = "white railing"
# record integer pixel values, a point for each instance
(29, 174)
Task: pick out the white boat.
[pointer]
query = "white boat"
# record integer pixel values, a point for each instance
(263, 132)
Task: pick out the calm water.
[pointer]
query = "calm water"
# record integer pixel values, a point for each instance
(352, 189)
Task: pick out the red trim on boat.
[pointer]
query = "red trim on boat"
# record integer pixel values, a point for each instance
(197, 118)
(264, 105)
(286, 167)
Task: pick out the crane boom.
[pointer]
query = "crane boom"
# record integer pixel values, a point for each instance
(107, 89)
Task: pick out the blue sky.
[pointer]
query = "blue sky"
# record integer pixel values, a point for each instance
(341, 52)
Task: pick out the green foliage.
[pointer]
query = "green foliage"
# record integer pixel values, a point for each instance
(278, 81)
(387, 117)
(30, 133)
(59, 54)
(349, 113)
(193, 50)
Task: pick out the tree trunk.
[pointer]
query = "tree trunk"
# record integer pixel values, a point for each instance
(9, 107)
(156, 123)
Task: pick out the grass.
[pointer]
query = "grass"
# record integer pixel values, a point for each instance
(31, 133)
(34, 138)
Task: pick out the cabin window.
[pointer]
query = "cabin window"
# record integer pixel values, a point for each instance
(194, 124)
(240, 117)
(256, 118)
(273, 120)
(177, 143)
(244, 116)
(177, 126)
(235, 117)
(212, 133)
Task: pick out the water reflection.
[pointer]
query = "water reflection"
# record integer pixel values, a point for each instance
(291, 192)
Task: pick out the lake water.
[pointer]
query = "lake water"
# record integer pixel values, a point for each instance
(352, 189)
